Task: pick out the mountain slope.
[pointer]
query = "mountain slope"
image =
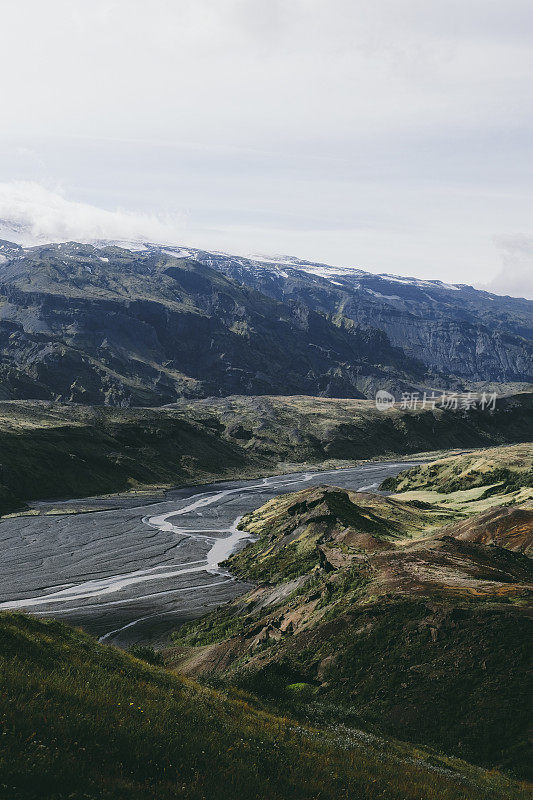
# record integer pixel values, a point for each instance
(378, 612)
(454, 330)
(83, 324)
(147, 326)
(81, 720)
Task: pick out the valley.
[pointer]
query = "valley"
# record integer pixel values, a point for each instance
(101, 450)
(218, 549)
(133, 574)
(311, 629)
(266, 400)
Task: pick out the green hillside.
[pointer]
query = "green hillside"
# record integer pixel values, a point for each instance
(83, 721)
(407, 617)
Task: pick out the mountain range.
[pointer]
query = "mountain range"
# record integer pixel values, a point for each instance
(149, 325)
(455, 330)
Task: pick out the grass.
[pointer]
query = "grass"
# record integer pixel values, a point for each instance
(291, 527)
(394, 624)
(470, 483)
(508, 468)
(80, 720)
(453, 674)
(466, 501)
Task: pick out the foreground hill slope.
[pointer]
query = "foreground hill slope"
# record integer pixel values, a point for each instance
(98, 450)
(379, 611)
(80, 720)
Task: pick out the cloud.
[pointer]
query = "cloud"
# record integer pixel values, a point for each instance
(32, 214)
(516, 275)
(241, 71)
(393, 135)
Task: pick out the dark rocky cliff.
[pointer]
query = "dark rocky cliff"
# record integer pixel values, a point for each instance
(83, 324)
(454, 330)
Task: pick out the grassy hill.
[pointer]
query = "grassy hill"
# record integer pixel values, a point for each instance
(391, 613)
(99, 450)
(496, 483)
(470, 482)
(505, 470)
(83, 721)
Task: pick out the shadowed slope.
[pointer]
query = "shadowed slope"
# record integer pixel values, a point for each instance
(97, 449)
(80, 720)
(510, 527)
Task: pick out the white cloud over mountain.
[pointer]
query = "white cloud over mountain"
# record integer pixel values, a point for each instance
(395, 135)
(33, 214)
(516, 275)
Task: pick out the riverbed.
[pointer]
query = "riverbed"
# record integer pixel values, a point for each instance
(133, 573)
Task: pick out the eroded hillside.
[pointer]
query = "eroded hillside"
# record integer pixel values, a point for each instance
(390, 612)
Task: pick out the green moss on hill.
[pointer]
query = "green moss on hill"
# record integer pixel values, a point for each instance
(403, 624)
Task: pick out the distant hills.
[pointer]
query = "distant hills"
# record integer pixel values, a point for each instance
(106, 324)
(98, 449)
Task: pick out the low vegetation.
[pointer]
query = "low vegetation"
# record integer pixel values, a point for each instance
(405, 617)
(508, 469)
(100, 450)
(83, 721)
(470, 482)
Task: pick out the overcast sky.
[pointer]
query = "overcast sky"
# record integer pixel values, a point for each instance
(391, 135)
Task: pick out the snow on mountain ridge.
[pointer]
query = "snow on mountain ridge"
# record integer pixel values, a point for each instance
(24, 236)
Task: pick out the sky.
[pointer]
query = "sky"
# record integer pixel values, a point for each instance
(390, 135)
